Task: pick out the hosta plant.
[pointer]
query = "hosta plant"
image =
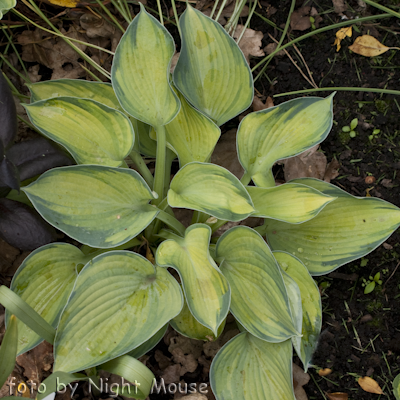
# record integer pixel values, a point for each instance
(103, 305)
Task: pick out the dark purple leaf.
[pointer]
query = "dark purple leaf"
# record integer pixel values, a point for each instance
(36, 156)
(22, 227)
(8, 114)
(9, 175)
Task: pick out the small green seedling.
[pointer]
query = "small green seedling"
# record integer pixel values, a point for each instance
(351, 129)
(375, 132)
(373, 281)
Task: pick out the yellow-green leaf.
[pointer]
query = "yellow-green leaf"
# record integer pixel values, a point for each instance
(281, 132)
(99, 206)
(119, 301)
(259, 298)
(45, 280)
(92, 132)
(212, 72)
(99, 91)
(149, 344)
(248, 368)
(396, 387)
(187, 325)
(6, 5)
(310, 303)
(133, 371)
(206, 290)
(346, 229)
(191, 135)
(291, 202)
(8, 350)
(211, 189)
(140, 71)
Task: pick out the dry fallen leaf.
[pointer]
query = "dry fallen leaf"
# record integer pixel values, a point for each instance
(54, 53)
(300, 378)
(339, 6)
(337, 396)
(258, 105)
(37, 362)
(341, 34)
(250, 43)
(368, 46)
(309, 164)
(324, 372)
(369, 385)
(270, 48)
(225, 154)
(300, 19)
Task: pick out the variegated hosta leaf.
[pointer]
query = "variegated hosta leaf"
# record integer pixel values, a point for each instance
(92, 132)
(281, 132)
(346, 229)
(191, 135)
(45, 280)
(310, 303)
(187, 325)
(291, 202)
(6, 5)
(248, 368)
(259, 298)
(211, 189)
(99, 91)
(206, 290)
(119, 301)
(99, 206)
(140, 71)
(212, 72)
(149, 344)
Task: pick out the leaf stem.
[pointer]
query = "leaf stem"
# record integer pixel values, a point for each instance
(245, 179)
(172, 222)
(142, 167)
(343, 89)
(176, 17)
(159, 175)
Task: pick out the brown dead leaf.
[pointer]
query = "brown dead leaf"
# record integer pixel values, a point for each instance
(174, 61)
(300, 19)
(37, 362)
(96, 27)
(172, 374)
(258, 105)
(250, 43)
(337, 396)
(225, 154)
(194, 396)
(331, 171)
(309, 164)
(300, 378)
(341, 34)
(188, 362)
(270, 48)
(54, 53)
(368, 46)
(339, 6)
(370, 385)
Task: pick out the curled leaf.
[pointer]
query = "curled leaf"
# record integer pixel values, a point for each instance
(370, 385)
(341, 34)
(368, 46)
